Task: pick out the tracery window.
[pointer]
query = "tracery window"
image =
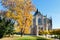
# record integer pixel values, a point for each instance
(39, 21)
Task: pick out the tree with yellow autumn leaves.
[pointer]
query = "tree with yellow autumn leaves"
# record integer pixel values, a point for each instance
(20, 11)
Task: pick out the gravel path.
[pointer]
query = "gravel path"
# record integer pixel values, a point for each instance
(7, 38)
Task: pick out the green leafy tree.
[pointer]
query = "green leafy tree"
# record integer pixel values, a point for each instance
(6, 27)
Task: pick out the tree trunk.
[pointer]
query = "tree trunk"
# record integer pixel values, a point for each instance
(21, 32)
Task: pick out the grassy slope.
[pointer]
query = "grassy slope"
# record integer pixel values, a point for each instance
(30, 38)
(23, 38)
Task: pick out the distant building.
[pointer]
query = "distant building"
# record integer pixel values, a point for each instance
(40, 22)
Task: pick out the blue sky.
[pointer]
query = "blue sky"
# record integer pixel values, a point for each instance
(49, 7)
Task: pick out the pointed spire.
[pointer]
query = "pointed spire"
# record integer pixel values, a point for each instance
(37, 11)
(46, 15)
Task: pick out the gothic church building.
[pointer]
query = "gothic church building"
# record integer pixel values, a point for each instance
(40, 22)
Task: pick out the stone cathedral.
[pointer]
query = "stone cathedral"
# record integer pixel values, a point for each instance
(40, 22)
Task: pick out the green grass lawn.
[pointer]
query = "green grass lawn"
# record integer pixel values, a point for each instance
(24, 38)
(30, 38)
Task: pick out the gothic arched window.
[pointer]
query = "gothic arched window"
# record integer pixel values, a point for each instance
(34, 21)
(39, 21)
(44, 21)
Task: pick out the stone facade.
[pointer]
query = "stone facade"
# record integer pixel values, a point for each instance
(40, 22)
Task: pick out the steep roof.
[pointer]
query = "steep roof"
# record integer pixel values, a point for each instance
(37, 12)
